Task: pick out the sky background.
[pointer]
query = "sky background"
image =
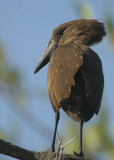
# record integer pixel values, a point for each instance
(26, 27)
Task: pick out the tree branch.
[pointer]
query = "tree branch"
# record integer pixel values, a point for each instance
(14, 151)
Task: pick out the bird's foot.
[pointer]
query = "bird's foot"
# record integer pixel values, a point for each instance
(79, 155)
(52, 149)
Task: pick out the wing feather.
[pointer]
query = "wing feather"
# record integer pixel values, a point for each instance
(64, 63)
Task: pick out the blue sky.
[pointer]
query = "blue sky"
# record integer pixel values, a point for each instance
(25, 29)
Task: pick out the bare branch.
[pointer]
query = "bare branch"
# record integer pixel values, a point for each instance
(58, 149)
(14, 151)
(69, 142)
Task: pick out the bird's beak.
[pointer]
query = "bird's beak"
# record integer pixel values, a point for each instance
(46, 55)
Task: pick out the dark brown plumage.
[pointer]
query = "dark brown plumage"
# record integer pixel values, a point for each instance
(75, 77)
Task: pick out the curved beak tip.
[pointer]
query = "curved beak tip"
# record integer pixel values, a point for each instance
(46, 56)
(35, 71)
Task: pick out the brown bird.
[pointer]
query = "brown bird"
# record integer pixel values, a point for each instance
(75, 77)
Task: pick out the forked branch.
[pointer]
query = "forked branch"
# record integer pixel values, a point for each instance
(14, 151)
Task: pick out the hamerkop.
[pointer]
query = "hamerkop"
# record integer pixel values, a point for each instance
(75, 77)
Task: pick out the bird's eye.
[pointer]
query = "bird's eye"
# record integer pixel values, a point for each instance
(60, 32)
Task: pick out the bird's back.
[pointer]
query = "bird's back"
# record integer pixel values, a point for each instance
(75, 81)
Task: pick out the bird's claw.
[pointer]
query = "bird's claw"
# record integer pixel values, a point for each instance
(79, 155)
(52, 149)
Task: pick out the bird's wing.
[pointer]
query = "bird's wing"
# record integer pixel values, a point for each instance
(93, 77)
(64, 63)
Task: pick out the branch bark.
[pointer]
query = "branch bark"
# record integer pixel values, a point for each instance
(14, 151)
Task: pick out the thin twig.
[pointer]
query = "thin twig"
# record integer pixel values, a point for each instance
(61, 148)
(58, 150)
(69, 142)
(44, 154)
(58, 139)
(61, 151)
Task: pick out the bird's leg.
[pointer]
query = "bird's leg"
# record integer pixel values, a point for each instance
(56, 124)
(81, 129)
(81, 152)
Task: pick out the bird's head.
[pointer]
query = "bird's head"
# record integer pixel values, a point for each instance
(83, 31)
(52, 45)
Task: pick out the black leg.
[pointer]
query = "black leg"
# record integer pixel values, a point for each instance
(81, 129)
(54, 136)
(81, 151)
